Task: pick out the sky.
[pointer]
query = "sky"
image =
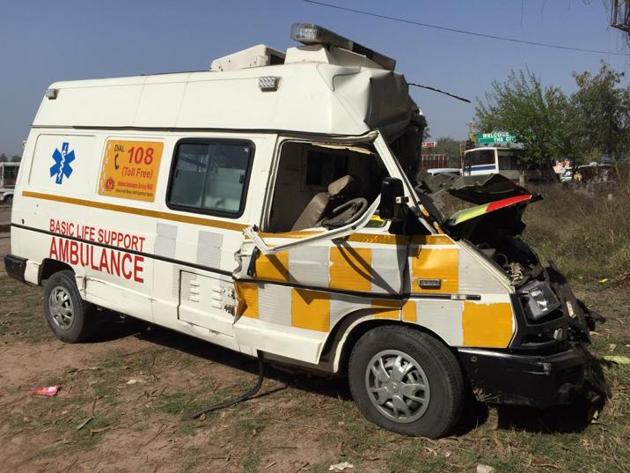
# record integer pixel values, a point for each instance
(42, 42)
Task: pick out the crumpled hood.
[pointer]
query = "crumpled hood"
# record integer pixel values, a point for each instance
(474, 189)
(493, 192)
(483, 189)
(484, 209)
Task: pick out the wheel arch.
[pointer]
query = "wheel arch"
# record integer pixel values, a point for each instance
(51, 266)
(346, 333)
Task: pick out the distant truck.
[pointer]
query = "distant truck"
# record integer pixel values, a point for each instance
(8, 176)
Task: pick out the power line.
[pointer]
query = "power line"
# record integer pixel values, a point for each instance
(434, 89)
(471, 33)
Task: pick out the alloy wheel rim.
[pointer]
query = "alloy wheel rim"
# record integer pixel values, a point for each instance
(397, 386)
(61, 308)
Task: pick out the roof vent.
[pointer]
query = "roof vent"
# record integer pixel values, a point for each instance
(256, 56)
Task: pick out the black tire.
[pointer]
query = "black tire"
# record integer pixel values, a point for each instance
(70, 329)
(8, 200)
(438, 367)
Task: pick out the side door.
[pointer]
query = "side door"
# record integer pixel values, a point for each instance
(296, 281)
(119, 268)
(210, 198)
(292, 297)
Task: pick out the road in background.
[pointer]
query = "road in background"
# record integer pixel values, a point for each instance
(5, 245)
(5, 218)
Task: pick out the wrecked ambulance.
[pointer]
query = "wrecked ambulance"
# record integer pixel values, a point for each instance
(271, 205)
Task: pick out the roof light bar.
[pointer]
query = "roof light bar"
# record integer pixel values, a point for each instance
(309, 33)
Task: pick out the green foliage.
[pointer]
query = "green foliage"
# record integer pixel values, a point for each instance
(602, 109)
(552, 125)
(450, 147)
(539, 116)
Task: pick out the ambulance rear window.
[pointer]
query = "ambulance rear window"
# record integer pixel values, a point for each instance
(210, 177)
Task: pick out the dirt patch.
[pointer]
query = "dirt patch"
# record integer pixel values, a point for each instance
(124, 397)
(25, 362)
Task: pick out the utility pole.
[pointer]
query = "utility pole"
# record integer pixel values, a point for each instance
(620, 16)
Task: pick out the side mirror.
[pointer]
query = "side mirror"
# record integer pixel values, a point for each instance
(392, 193)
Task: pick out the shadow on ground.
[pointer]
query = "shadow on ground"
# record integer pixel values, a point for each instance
(558, 419)
(573, 418)
(116, 327)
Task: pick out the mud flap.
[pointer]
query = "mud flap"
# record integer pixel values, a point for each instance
(594, 378)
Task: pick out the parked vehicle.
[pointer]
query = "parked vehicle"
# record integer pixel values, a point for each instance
(444, 171)
(8, 176)
(594, 173)
(507, 161)
(261, 206)
(492, 160)
(567, 175)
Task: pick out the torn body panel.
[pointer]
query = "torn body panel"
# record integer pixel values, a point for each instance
(303, 291)
(315, 284)
(547, 361)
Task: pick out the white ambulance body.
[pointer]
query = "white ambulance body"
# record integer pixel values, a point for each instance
(240, 206)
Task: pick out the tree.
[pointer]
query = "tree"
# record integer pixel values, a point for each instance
(15, 158)
(3, 158)
(602, 106)
(450, 147)
(542, 118)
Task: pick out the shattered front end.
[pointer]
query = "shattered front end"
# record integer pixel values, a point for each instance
(547, 362)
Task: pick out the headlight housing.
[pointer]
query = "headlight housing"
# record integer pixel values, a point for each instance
(538, 299)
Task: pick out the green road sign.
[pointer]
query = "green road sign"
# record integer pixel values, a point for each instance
(496, 137)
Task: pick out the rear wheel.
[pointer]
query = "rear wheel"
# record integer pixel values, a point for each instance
(406, 381)
(70, 318)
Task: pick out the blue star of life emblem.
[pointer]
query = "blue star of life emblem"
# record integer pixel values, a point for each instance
(62, 167)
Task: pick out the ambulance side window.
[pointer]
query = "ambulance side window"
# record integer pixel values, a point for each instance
(210, 176)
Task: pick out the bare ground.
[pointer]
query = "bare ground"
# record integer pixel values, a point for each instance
(124, 396)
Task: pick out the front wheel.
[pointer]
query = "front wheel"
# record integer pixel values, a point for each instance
(406, 381)
(70, 318)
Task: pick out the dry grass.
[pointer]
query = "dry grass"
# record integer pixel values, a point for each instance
(301, 423)
(306, 426)
(587, 234)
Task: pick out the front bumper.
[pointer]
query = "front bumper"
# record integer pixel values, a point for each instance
(532, 380)
(15, 267)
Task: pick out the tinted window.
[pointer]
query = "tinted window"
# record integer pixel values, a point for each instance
(10, 175)
(210, 177)
(480, 157)
(10, 172)
(508, 161)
